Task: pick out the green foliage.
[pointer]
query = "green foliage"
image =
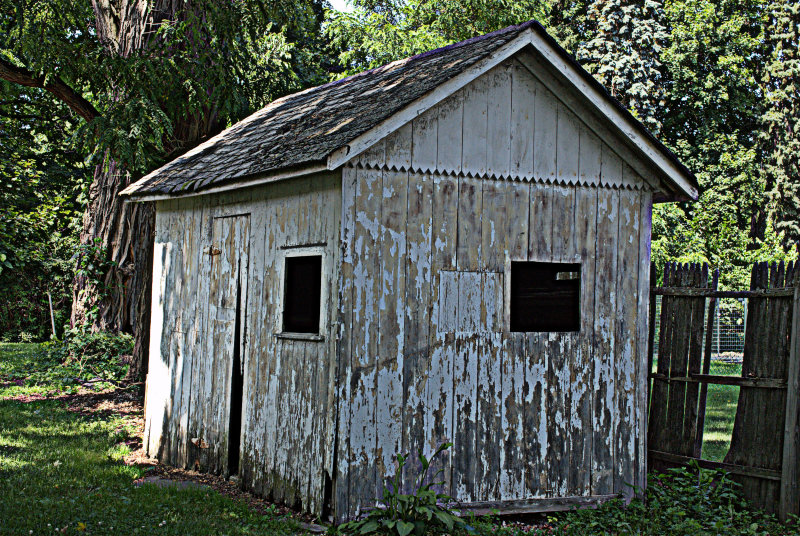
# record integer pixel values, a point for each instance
(422, 512)
(95, 359)
(42, 182)
(209, 65)
(780, 132)
(624, 54)
(683, 501)
(65, 473)
(84, 356)
(377, 32)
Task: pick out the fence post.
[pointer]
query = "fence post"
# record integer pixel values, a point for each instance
(701, 409)
(790, 472)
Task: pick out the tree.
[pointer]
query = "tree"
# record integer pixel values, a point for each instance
(377, 32)
(150, 79)
(624, 54)
(781, 119)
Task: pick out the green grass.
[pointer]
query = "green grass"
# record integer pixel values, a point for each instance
(721, 404)
(60, 469)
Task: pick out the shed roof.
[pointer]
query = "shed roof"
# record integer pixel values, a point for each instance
(323, 126)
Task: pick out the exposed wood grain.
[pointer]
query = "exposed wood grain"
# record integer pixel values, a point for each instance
(367, 289)
(523, 97)
(398, 148)
(345, 375)
(627, 284)
(449, 134)
(585, 221)
(643, 363)
(439, 405)
(790, 467)
(604, 420)
(425, 133)
(546, 134)
(391, 335)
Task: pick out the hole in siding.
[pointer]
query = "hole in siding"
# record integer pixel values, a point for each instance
(545, 296)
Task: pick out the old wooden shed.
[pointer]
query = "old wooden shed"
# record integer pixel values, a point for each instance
(452, 247)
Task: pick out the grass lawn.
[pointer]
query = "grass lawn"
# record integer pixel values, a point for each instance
(63, 472)
(65, 468)
(721, 406)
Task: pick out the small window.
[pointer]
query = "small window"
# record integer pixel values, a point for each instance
(302, 293)
(545, 296)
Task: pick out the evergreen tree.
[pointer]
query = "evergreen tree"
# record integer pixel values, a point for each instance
(781, 120)
(568, 21)
(624, 54)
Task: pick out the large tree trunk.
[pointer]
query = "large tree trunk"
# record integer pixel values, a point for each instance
(125, 230)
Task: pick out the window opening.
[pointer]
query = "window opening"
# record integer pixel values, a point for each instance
(545, 296)
(302, 294)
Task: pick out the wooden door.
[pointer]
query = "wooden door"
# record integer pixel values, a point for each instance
(227, 302)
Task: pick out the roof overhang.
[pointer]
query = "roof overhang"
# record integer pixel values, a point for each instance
(239, 182)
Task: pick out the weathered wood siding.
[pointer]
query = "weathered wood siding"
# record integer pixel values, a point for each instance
(206, 248)
(502, 170)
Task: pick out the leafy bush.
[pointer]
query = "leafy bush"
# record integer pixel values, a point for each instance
(684, 501)
(422, 512)
(85, 356)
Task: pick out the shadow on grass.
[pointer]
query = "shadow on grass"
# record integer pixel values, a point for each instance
(62, 469)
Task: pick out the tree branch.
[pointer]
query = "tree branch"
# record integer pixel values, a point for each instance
(55, 85)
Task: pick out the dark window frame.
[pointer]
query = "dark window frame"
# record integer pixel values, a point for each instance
(544, 297)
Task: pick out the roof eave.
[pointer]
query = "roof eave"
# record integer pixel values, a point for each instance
(235, 183)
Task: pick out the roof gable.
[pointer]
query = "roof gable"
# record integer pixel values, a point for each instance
(328, 125)
(508, 124)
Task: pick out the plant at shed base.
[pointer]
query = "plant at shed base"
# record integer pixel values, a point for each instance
(419, 513)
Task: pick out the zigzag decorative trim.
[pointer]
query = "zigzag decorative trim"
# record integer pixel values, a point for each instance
(555, 181)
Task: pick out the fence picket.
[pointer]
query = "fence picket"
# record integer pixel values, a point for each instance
(765, 441)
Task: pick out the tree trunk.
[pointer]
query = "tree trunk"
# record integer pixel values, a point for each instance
(125, 230)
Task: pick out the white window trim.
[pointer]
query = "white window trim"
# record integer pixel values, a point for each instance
(304, 251)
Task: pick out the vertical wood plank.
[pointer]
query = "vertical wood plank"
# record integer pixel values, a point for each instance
(643, 330)
(567, 146)
(498, 151)
(581, 393)
(367, 290)
(523, 96)
(398, 148)
(790, 472)
(449, 133)
(470, 207)
(515, 390)
(425, 133)
(475, 126)
(540, 237)
(604, 420)
(391, 322)
(439, 390)
(344, 345)
(627, 285)
(545, 134)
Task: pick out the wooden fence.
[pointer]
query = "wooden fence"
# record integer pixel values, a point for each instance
(765, 442)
